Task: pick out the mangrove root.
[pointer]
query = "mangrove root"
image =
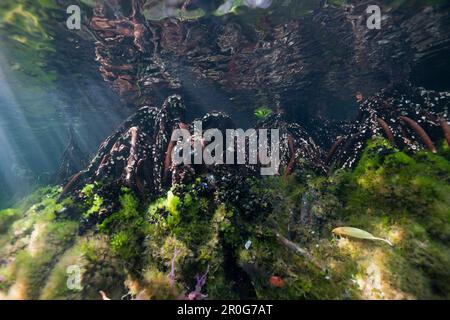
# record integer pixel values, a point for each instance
(299, 251)
(387, 131)
(422, 134)
(446, 128)
(291, 164)
(333, 149)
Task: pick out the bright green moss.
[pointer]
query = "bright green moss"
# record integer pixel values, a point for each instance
(172, 205)
(34, 241)
(34, 263)
(196, 228)
(127, 217)
(126, 228)
(405, 197)
(56, 285)
(397, 184)
(391, 194)
(93, 201)
(7, 217)
(102, 269)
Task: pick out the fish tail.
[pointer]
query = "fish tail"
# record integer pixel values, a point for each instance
(385, 240)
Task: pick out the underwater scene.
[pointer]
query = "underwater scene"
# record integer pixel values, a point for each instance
(224, 150)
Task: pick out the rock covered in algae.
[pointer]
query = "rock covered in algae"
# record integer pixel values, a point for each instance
(160, 250)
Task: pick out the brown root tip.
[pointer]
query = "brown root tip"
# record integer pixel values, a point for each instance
(421, 132)
(446, 128)
(291, 164)
(387, 130)
(333, 149)
(72, 184)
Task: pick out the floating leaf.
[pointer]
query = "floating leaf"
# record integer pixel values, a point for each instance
(263, 112)
(358, 233)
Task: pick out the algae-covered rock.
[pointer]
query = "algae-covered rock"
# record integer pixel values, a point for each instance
(192, 244)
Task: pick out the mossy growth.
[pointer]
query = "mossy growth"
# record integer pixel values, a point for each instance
(43, 257)
(405, 198)
(394, 195)
(127, 228)
(156, 250)
(187, 233)
(32, 245)
(7, 217)
(302, 211)
(93, 200)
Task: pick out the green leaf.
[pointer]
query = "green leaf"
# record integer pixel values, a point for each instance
(263, 112)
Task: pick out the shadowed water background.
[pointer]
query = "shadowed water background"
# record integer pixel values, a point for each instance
(47, 84)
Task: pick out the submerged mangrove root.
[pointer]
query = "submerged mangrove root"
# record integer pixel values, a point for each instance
(421, 132)
(73, 159)
(130, 169)
(387, 130)
(73, 183)
(333, 149)
(134, 155)
(168, 161)
(411, 118)
(291, 164)
(298, 250)
(446, 128)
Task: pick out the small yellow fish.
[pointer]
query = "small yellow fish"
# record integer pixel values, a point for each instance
(358, 233)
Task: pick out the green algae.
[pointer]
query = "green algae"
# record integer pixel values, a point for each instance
(155, 250)
(405, 197)
(126, 227)
(27, 39)
(7, 217)
(263, 112)
(33, 242)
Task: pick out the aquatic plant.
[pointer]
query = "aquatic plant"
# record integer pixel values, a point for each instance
(400, 197)
(263, 112)
(404, 198)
